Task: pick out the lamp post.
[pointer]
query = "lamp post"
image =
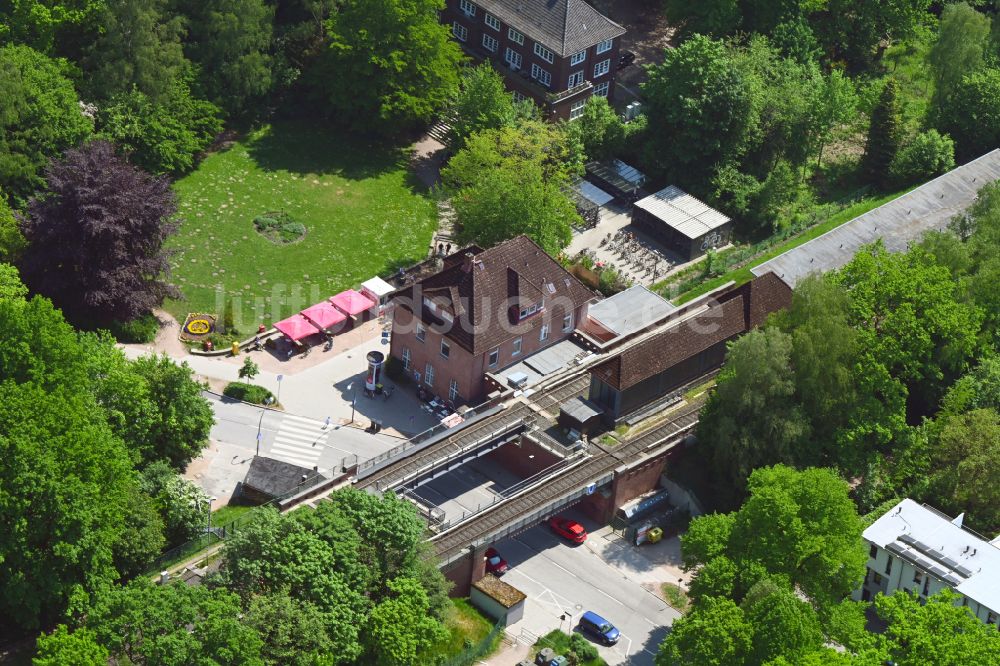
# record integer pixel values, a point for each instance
(208, 529)
(278, 398)
(267, 402)
(354, 399)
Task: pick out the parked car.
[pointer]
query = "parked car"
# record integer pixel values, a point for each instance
(495, 564)
(568, 529)
(599, 628)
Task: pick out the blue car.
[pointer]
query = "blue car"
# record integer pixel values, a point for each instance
(599, 628)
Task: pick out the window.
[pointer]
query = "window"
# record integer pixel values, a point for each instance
(577, 58)
(604, 47)
(877, 579)
(491, 21)
(515, 36)
(538, 73)
(576, 110)
(490, 43)
(470, 8)
(445, 349)
(421, 332)
(453, 390)
(601, 90)
(512, 58)
(519, 97)
(888, 566)
(429, 374)
(406, 358)
(544, 53)
(517, 347)
(530, 310)
(602, 68)
(927, 584)
(873, 551)
(917, 576)
(494, 357)
(991, 617)
(575, 79)
(544, 335)
(460, 31)
(567, 323)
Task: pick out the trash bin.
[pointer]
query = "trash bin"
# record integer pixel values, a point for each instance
(236, 349)
(655, 534)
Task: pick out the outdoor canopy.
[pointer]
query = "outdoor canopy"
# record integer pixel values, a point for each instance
(351, 302)
(324, 315)
(296, 327)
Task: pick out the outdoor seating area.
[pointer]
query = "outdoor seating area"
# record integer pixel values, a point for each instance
(325, 319)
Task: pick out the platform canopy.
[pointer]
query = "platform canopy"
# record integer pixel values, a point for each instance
(351, 302)
(296, 327)
(324, 315)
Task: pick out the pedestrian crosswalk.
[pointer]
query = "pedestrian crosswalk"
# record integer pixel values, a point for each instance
(299, 441)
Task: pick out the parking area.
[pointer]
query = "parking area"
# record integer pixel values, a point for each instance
(565, 580)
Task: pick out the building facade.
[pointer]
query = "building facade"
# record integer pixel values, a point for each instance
(557, 53)
(916, 549)
(483, 311)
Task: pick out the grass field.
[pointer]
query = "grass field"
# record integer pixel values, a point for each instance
(466, 627)
(363, 212)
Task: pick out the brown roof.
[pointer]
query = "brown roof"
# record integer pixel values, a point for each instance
(564, 26)
(503, 593)
(732, 314)
(484, 289)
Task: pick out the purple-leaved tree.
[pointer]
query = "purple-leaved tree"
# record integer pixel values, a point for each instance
(95, 236)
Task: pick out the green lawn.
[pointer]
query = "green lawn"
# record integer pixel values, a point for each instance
(466, 627)
(364, 213)
(743, 274)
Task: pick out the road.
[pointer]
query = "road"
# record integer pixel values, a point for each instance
(562, 578)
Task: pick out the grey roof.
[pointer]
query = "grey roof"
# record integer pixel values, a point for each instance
(278, 478)
(631, 310)
(564, 26)
(682, 212)
(943, 547)
(898, 223)
(580, 409)
(543, 363)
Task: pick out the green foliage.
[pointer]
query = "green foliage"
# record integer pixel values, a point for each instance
(251, 393)
(47, 24)
(884, 136)
(294, 632)
(279, 227)
(963, 38)
(11, 287)
(716, 18)
(707, 537)
(183, 506)
(715, 633)
(61, 647)
(140, 330)
(584, 649)
(599, 130)
(164, 136)
(796, 40)
(40, 117)
(389, 65)
(971, 114)
(700, 108)
(11, 238)
(227, 320)
(249, 369)
(481, 103)
(784, 625)
(400, 628)
(927, 155)
(510, 181)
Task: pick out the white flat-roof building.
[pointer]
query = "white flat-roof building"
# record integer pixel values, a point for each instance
(681, 222)
(916, 548)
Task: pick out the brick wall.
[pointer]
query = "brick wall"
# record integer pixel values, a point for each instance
(516, 458)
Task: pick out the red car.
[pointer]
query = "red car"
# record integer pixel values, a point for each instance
(568, 529)
(494, 563)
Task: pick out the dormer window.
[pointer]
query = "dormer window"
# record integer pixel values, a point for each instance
(531, 309)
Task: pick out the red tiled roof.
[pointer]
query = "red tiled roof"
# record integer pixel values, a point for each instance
(484, 293)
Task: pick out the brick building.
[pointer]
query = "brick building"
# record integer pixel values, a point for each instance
(556, 52)
(483, 311)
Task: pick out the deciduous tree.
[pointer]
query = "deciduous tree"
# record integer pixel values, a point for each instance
(927, 155)
(971, 114)
(481, 103)
(885, 135)
(96, 236)
(64, 647)
(714, 633)
(963, 38)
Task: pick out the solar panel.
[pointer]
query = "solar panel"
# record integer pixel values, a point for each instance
(950, 563)
(896, 548)
(907, 538)
(940, 573)
(953, 579)
(964, 571)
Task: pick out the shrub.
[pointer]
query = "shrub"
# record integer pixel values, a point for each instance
(584, 650)
(929, 154)
(279, 227)
(140, 331)
(247, 392)
(609, 282)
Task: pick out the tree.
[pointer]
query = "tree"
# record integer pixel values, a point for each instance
(11, 238)
(783, 625)
(833, 103)
(860, 30)
(231, 42)
(481, 103)
(963, 37)
(62, 647)
(162, 137)
(389, 65)
(716, 18)
(714, 633)
(174, 625)
(11, 287)
(510, 181)
(183, 418)
(884, 136)
(249, 369)
(971, 114)
(936, 633)
(45, 25)
(599, 130)
(40, 117)
(96, 236)
(294, 632)
(139, 48)
(700, 108)
(401, 629)
(182, 505)
(927, 155)
(796, 40)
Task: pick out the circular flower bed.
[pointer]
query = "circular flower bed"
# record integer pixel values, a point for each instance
(198, 326)
(279, 227)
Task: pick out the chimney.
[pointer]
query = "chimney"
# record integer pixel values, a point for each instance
(467, 262)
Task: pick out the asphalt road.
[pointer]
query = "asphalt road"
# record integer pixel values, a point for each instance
(562, 578)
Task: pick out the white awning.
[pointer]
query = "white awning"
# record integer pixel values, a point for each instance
(593, 193)
(377, 287)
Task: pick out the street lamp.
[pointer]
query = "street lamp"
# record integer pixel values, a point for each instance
(209, 527)
(280, 377)
(354, 399)
(267, 402)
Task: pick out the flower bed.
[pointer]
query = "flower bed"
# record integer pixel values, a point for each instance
(198, 327)
(279, 227)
